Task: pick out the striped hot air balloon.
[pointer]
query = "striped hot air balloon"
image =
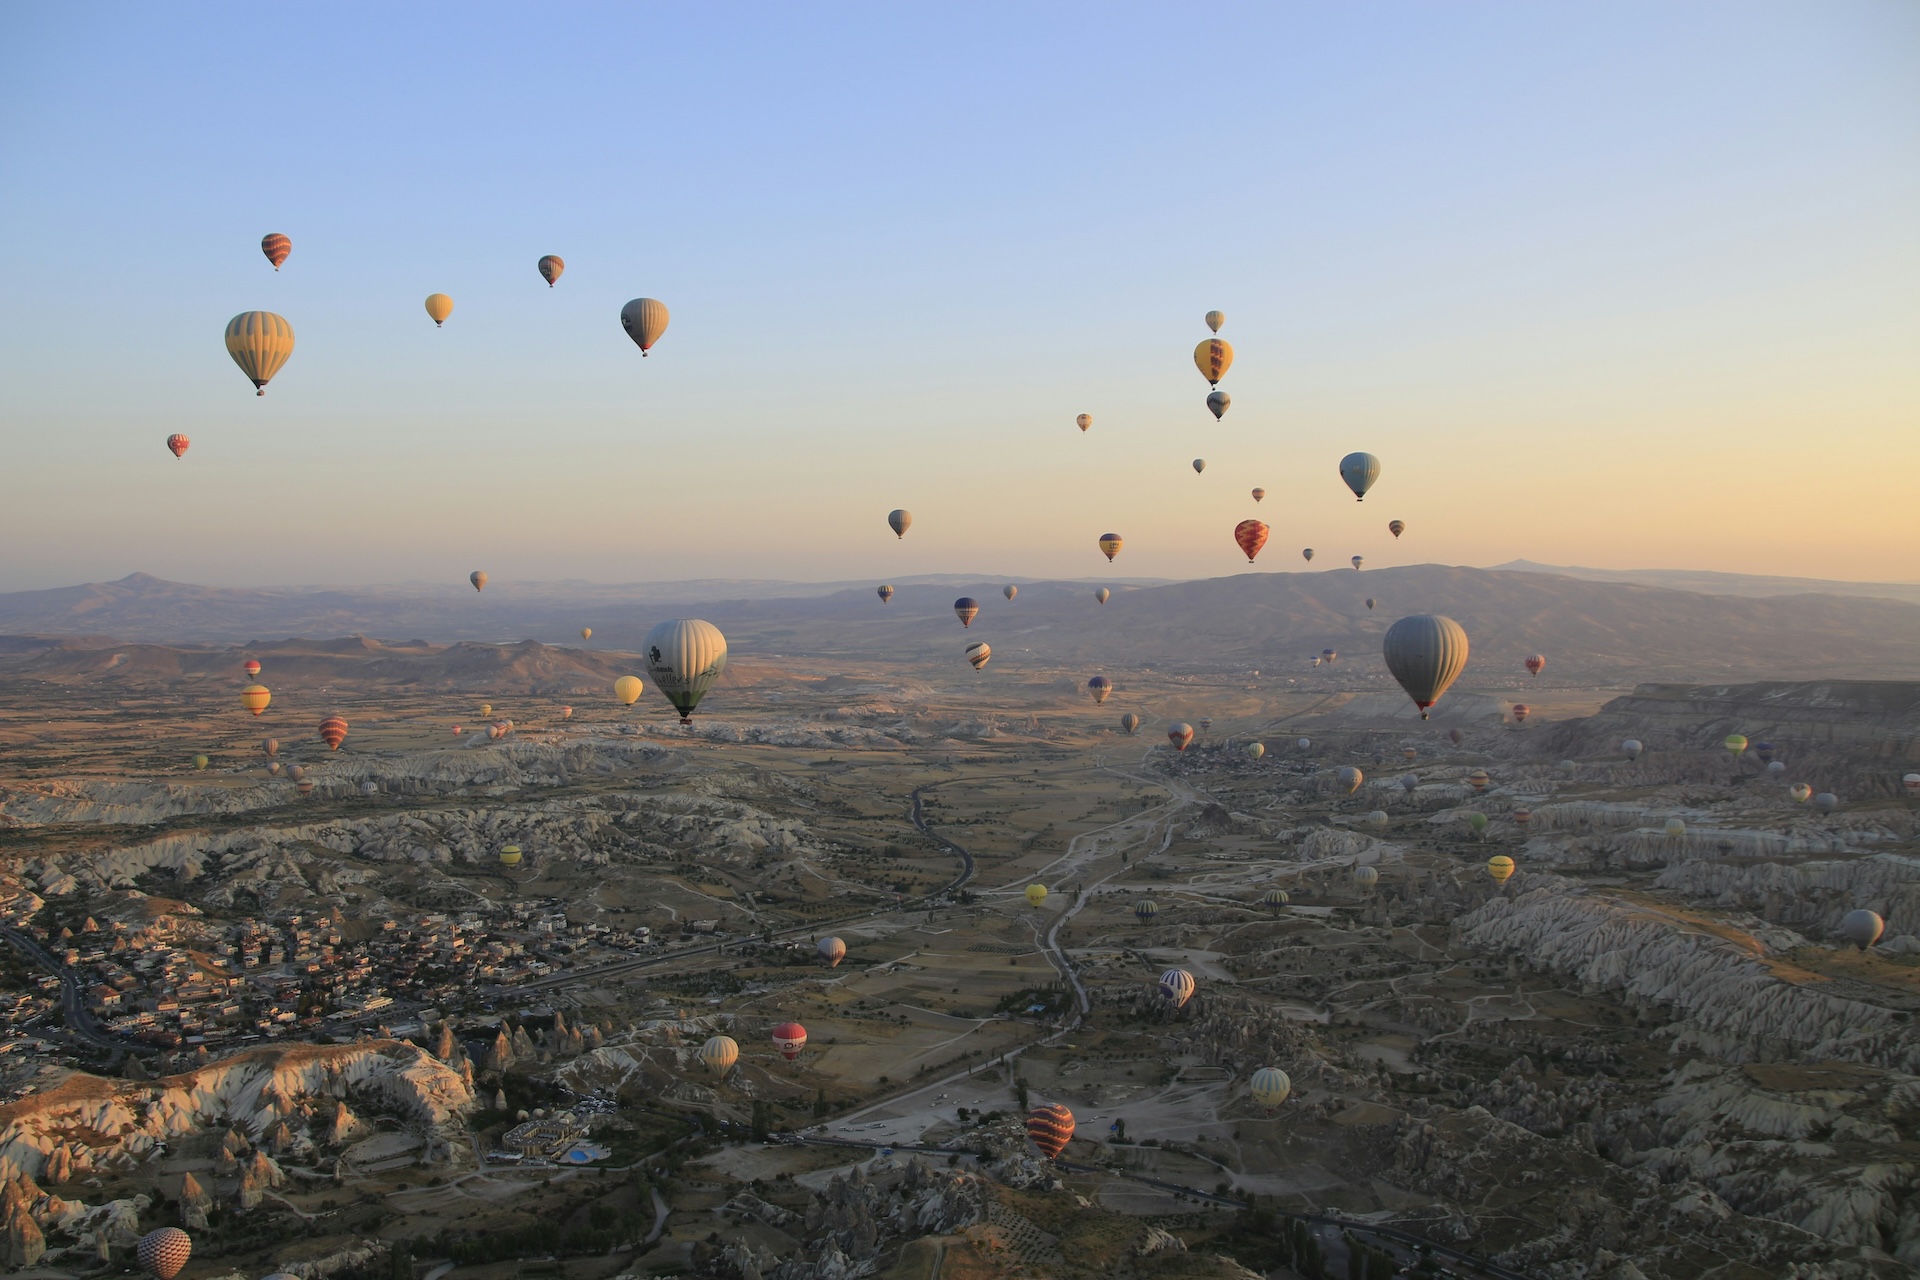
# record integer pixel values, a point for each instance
(966, 608)
(979, 653)
(1100, 687)
(1129, 722)
(296, 772)
(644, 319)
(789, 1038)
(1500, 867)
(1259, 494)
(1213, 357)
(1251, 535)
(1176, 987)
(164, 1252)
(720, 1053)
(1522, 818)
(1426, 653)
(1365, 877)
(885, 593)
(510, 855)
(1145, 910)
(1396, 527)
(1520, 712)
(1274, 899)
(304, 786)
(832, 950)
(255, 698)
(276, 247)
(252, 667)
(1215, 319)
(178, 444)
(1479, 779)
(1256, 749)
(1270, 1087)
(259, 342)
(1536, 663)
(1180, 734)
(1110, 545)
(1050, 1128)
(333, 732)
(550, 268)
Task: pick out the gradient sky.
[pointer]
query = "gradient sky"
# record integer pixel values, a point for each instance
(1627, 285)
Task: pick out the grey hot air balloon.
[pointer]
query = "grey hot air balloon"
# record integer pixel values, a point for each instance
(1215, 319)
(1103, 595)
(1130, 722)
(1218, 402)
(899, 520)
(1307, 553)
(1358, 561)
(1409, 781)
(1631, 748)
(1009, 591)
(1348, 780)
(685, 657)
(1199, 465)
(1426, 653)
(644, 319)
(1862, 927)
(1360, 470)
(1826, 802)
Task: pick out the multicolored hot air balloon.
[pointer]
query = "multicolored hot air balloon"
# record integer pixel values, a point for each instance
(899, 520)
(1426, 653)
(1256, 749)
(1522, 818)
(296, 772)
(304, 786)
(832, 950)
(1110, 545)
(644, 319)
(259, 342)
(789, 1038)
(1050, 1128)
(1084, 421)
(1912, 783)
(333, 732)
(1251, 535)
(1360, 470)
(966, 608)
(1862, 927)
(1520, 712)
(1101, 688)
(550, 267)
(1259, 494)
(1377, 819)
(1036, 894)
(164, 1252)
(979, 653)
(178, 444)
(1536, 663)
(1176, 987)
(1479, 779)
(439, 306)
(1269, 1087)
(1329, 656)
(1801, 792)
(276, 247)
(719, 1054)
(1365, 878)
(1180, 733)
(1348, 780)
(1130, 722)
(255, 698)
(1215, 319)
(273, 768)
(1396, 527)
(1500, 867)
(251, 666)
(1145, 909)
(685, 656)
(1765, 751)
(1218, 402)
(1735, 743)
(1213, 357)
(566, 713)
(885, 593)
(1358, 561)
(1009, 591)
(1102, 595)
(479, 579)
(271, 746)
(1274, 899)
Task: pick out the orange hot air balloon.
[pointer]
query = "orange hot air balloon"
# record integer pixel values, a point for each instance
(566, 713)
(479, 579)
(276, 247)
(1259, 494)
(1110, 544)
(164, 1252)
(1051, 1129)
(304, 786)
(1213, 358)
(1520, 712)
(333, 732)
(178, 443)
(255, 698)
(251, 666)
(1537, 663)
(550, 268)
(1084, 421)
(789, 1038)
(439, 306)
(1251, 535)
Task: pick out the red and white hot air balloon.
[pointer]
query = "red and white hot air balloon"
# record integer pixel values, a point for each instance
(178, 444)
(1251, 535)
(251, 667)
(1180, 733)
(1520, 712)
(789, 1038)
(333, 732)
(1537, 663)
(165, 1251)
(1051, 1129)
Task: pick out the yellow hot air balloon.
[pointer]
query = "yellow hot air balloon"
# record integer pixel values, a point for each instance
(509, 855)
(628, 689)
(439, 306)
(1500, 867)
(259, 342)
(255, 698)
(1110, 544)
(644, 319)
(1270, 1087)
(586, 633)
(486, 708)
(1036, 894)
(1213, 358)
(719, 1054)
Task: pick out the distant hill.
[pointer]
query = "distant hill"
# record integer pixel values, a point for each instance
(1726, 584)
(1590, 630)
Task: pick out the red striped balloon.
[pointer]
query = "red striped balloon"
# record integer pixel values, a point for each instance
(165, 1251)
(789, 1038)
(251, 666)
(1051, 1129)
(178, 444)
(1251, 535)
(333, 732)
(1537, 663)
(276, 247)
(1521, 711)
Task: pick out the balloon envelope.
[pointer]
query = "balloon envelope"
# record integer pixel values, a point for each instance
(719, 1054)
(1426, 653)
(1177, 986)
(1251, 535)
(1500, 867)
(1180, 733)
(1631, 748)
(1050, 1128)
(627, 688)
(255, 698)
(1130, 722)
(177, 444)
(1862, 927)
(832, 950)
(685, 656)
(885, 593)
(1536, 663)
(276, 247)
(1101, 688)
(1215, 319)
(1213, 357)
(333, 732)
(1826, 802)
(1199, 465)
(1735, 743)
(1396, 527)
(1103, 595)
(1218, 402)
(259, 342)
(1084, 421)
(979, 654)
(1036, 894)
(1360, 470)
(899, 520)
(644, 319)
(550, 267)
(1270, 1087)
(1256, 749)
(1009, 591)
(1306, 553)
(165, 1251)
(1365, 877)
(789, 1038)
(1348, 780)
(479, 579)
(1110, 545)
(966, 608)
(1145, 909)
(439, 306)
(1259, 494)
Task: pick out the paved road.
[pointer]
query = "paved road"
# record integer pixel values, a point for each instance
(80, 1021)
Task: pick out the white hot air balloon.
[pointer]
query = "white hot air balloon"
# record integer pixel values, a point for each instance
(685, 656)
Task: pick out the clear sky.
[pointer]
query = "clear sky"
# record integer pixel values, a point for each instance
(1623, 284)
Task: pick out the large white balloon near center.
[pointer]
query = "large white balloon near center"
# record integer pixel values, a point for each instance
(1425, 652)
(685, 656)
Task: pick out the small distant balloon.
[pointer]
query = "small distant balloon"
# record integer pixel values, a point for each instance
(1218, 402)
(1213, 357)
(1306, 553)
(1377, 819)
(1409, 782)
(627, 688)
(899, 520)
(271, 746)
(1454, 736)
(251, 666)
(201, 762)
(178, 444)
(1631, 748)
(1009, 591)
(644, 319)
(276, 247)
(566, 713)
(1348, 780)
(479, 579)
(1084, 421)
(1862, 927)
(260, 343)
(1304, 744)
(1360, 471)
(1102, 595)
(1826, 802)
(1500, 867)
(1676, 827)
(164, 1252)
(1520, 712)
(439, 306)
(1776, 767)
(1370, 603)
(966, 608)
(333, 732)
(1199, 465)
(1479, 780)
(1365, 877)
(1358, 561)
(1426, 653)
(1100, 687)
(1251, 535)
(1396, 527)
(832, 950)
(1036, 894)
(1735, 743)
(1269, 1087)
(1259, 494)
(1177, 987)
(978, 654)
(1145, 909)
(1110, 545)
(1215, 319)
(1801, 792)
(550, 268)
(884, 592)
(255, 698)
(1130, 722)
(1256, 749)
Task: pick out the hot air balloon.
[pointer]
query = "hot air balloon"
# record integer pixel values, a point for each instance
(1536, 663)
(1735, 743)
(1102, 595)
(1520, 712)
(1365, 877)
(1306, 553)
(255, 698)
(1765, 751)
(1218, 402)
(1213, 357)
(1269, 1087)
(1304, 744)
(1409, 781)
(1180, 733)
(1569, 767)
(1259, 494)
(1110, 545)
(304, 786)
(885, 593)
(1801, 792)
(1862, 927)
(1377, 819)
(550, 267)
(1776, 767)
(333, 732)
(201, 762)
(1215, 319)
(1411, 753)
(1009, 591)
(1370, 603)
(1676, 827)
(1036, 894)
(1274, 899)
(479, 579)
(1256, 749)
(1084, 421)
(1454, 736)
(1329, 656)
(566, 713)
(1396, 527)
(178, 443)
(719, 1054)
(979, 654)
(586, 633)
(1631, 748)
(486, 708)
(164, 1252)
(509, 855)
(1522, 817)
(439, 306)
(296, 772)
(1478, 823)
(1360, 470)
(900, 520)
(252, 667)
(259, 342)
(1500, 867)
(966, 608)
(1101, 688)
(1145, 910)
(1251, 535)
(276, 247)
(1425, 652)
(273, 768)
(1358, 561)
(1176, 987)
(1348, 780)
(832, 950)
(1129, 722)
(1206, 723)
(1050, 1128)
(685, 656)
(789, 1038)
(1479, 779)
(645, 320)
(1199, 465)
(1826, 802)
